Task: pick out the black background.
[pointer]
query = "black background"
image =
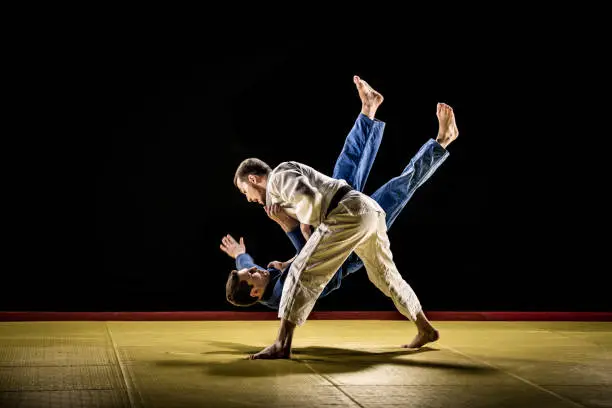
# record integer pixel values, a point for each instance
(120, 202)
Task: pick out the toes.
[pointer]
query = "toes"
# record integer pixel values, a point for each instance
(442, 107)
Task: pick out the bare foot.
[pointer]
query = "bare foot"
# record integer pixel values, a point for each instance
(370, 99)
(422, 338)
(447, 131)
(275, 351)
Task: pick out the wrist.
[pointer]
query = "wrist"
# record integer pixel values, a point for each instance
(287, 226)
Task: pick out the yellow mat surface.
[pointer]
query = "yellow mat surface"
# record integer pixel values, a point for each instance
(335, 363)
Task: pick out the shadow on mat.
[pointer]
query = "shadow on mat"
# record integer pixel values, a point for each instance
(322, 360)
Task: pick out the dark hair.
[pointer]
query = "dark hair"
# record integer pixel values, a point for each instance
(238, 292)
(251, 166)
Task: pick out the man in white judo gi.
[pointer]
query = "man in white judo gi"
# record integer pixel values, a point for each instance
(345, 220)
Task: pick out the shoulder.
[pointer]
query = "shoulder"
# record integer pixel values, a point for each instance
(287, 165)
(286, 169)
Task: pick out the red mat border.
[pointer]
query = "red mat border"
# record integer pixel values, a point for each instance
(322, 315)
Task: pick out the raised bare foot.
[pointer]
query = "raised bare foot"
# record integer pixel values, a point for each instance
(370, 99)
(447, 131)
(422, 338)
(275, 351)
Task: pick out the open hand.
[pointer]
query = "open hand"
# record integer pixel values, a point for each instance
(231, 247)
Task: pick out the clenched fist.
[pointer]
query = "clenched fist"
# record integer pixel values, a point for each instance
(278, 214)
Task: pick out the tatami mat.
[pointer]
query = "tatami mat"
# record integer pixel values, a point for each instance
(336, 363)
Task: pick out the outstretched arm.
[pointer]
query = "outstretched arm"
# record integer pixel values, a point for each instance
(231, 247)
(237, 250)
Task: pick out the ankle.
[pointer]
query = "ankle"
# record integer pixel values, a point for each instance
(443, 141)
(368, 111)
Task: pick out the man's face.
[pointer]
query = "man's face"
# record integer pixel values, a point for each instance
(257, 278)
(251, 190)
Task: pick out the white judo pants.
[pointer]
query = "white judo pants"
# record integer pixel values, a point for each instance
(356, 224)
